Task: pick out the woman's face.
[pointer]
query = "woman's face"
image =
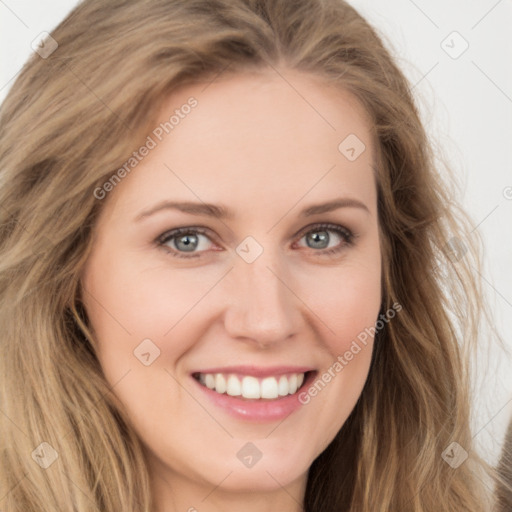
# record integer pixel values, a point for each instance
(269, 286)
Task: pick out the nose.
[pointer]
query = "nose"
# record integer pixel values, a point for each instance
(263, 308)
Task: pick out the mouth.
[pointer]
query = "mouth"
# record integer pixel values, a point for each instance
(252, 387)
(255, 394)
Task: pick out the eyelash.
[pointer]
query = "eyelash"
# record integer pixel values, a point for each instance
(343, 232)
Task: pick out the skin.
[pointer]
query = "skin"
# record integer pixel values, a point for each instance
(266, 152)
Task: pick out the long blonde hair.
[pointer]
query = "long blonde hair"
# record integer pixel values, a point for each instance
(71, 119)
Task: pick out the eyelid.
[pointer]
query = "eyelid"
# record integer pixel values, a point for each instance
(184, 230)
(341, 230)
(322, 225)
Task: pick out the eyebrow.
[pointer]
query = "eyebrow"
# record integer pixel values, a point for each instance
(221, 212)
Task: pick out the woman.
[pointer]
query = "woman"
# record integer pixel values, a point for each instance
(176, 335)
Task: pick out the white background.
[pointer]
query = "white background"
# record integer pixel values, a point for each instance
(467, 108)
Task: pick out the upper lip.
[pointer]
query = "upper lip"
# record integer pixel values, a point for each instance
(256, 371)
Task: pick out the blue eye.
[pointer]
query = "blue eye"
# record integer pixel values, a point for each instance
(183, 239)
(189, 242)
(319, 238)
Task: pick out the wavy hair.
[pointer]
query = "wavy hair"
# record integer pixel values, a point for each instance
(71, 119)
(504, 480)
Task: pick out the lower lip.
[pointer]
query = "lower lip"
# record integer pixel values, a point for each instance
(257, 410)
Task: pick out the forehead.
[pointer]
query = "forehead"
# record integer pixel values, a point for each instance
(256, 138)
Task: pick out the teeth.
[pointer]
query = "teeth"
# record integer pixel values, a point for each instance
(252, 387)
(234, 387)
(220, 383)
(209, 381)
(292, 383)
(269, 388)
(283, 386)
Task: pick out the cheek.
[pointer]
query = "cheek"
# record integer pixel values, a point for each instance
(347, 301)
(139, 315)
(128, 301)
(352, 310)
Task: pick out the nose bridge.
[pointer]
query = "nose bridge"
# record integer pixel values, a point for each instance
(263, 308)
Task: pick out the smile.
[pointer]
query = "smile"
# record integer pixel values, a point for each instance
(251, 387)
